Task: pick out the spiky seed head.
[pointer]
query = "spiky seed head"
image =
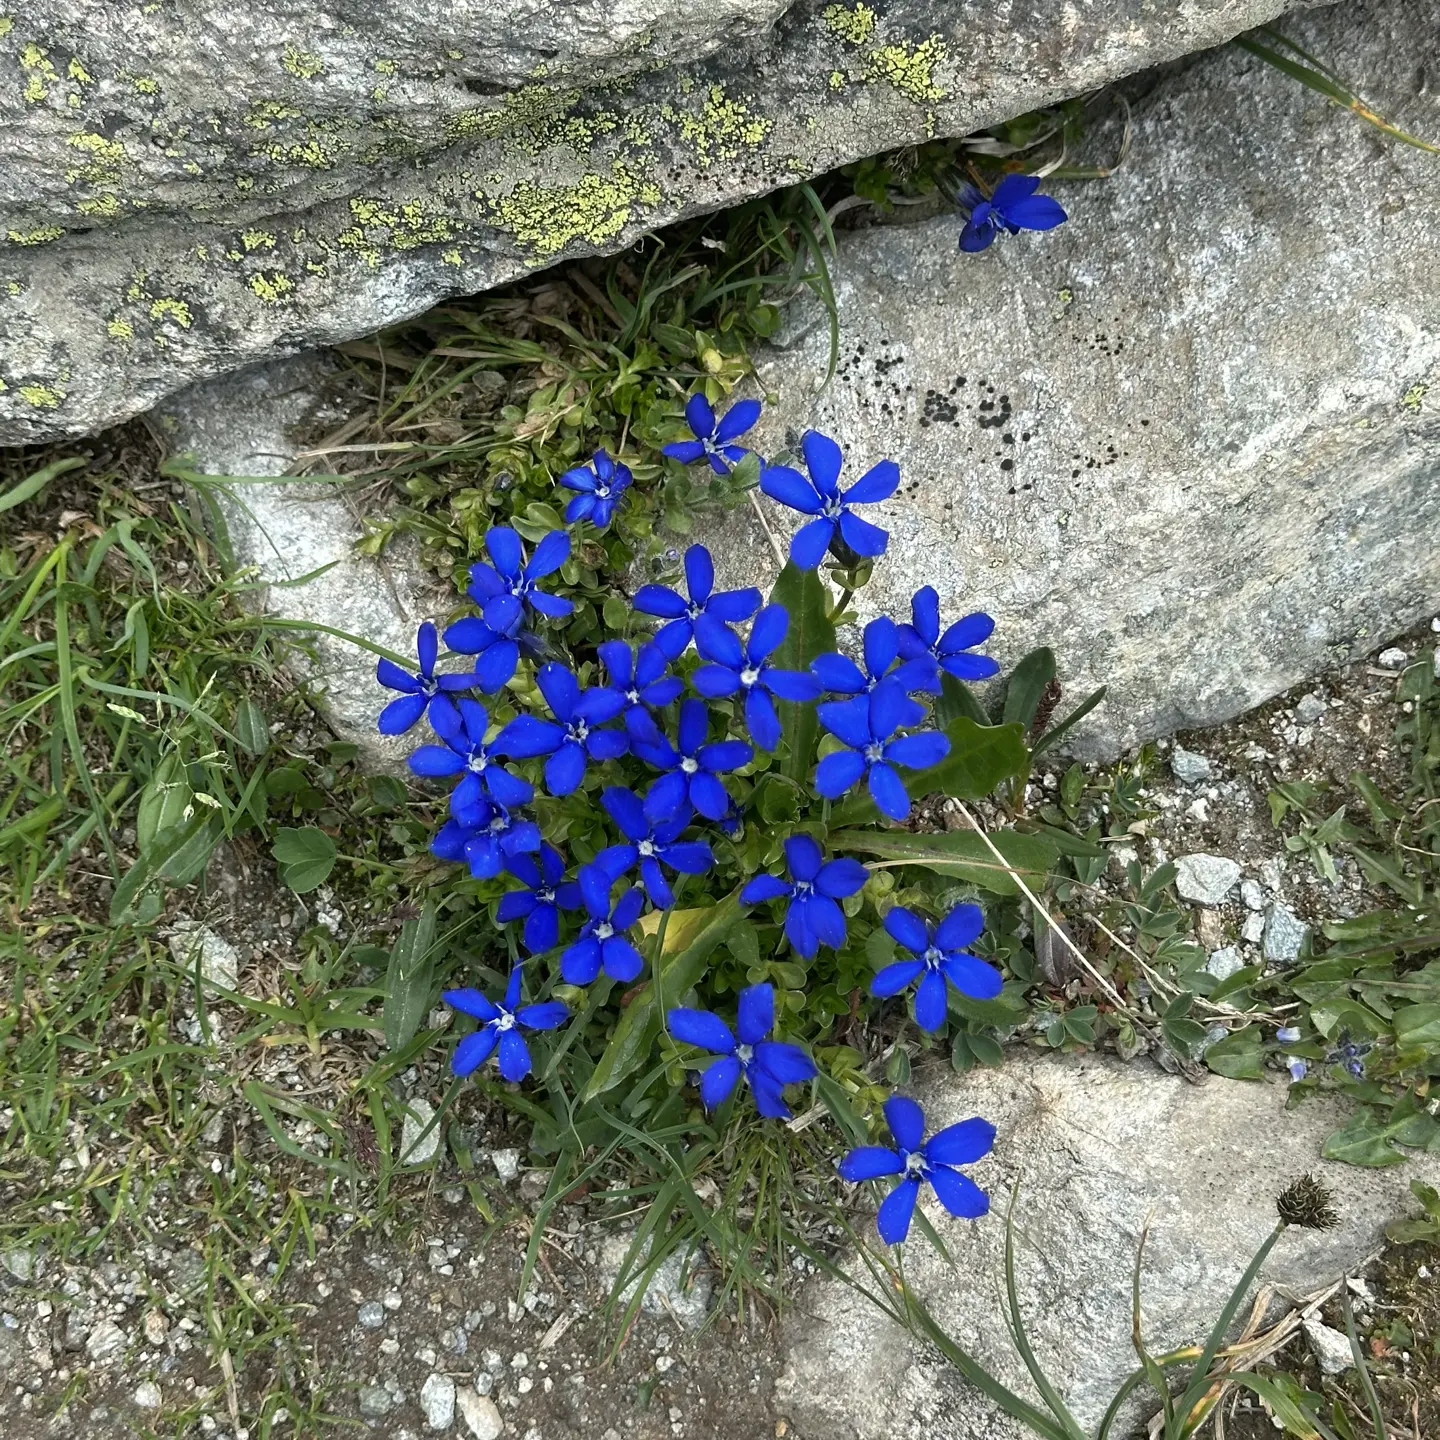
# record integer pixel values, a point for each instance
(1308, 1203)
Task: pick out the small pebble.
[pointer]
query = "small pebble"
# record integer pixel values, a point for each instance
(1251, 895)
(147, 1395)
(371, 1315)
(1310, 709)
(1284, 934)
(1205, 879)
(437, 1400)
(1392, 659)
(1188, 767)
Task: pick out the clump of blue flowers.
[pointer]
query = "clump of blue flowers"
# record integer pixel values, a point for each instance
(716, 766)
(1013, 206)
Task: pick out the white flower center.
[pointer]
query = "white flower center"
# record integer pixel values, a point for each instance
(833, 507)
(578, 732)
(694, 610)
(689, 764)
(545, 896)
(873, 752)
(499, 823)
(505, 1022)
(633, 696)
(744, 1054)
(604, 930)
(603, 491)
(933, 957)
(748, 676)
(802, 889)
(478, 761)
(646, 848)
(914, 1164)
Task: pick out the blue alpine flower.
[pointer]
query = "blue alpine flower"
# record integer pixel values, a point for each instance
(580, 713)
(704, 610)
(539, 904)
(691, 775)
(504, 589)
(821, 496)
(867, 726)
(643, 684)
(713, 440)
(601, 483)
(768, 1065)
(1350, 1054)
(812, 918)
(940, 956)
(922, 637)
(500, 1028)
(601, 942)
(918, 1162)
(486, 838)
(840, 675)
(421, 691)
(466, 754)
(747, 667)
(649, 846)
(1013, 207)
(496, 653)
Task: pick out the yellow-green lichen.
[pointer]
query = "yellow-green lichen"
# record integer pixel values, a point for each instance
(301, 63)
(856, 25)
(120, 329)
(722, 128)
(264, 113)
(911, 71)
(78, 73)
(271, 288)
(39, 236)
(168, 309)
(7, 24)
(386, 67)
(451, 257)
(257, 239)
(42, 397)
(382, 226)
(146, 85)
(107, 206)
(14, 287)
(106, 156)
(1414, 397)
(547, 218)
(39, 72)
(531, 106)
(837, 80)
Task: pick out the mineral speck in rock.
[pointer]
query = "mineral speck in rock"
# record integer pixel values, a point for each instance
(1205, 879)
(1188, 767)
(1284, 935)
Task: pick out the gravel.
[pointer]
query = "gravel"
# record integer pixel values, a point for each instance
(1392, 659)
(1224, 963)
(1188, 767)
(1205, 879)
(413, 1149)
(1284, 935)
(480, 1414)
(437, 1400)
(1252, 896)
(375, 1401)
(1310, 709)
(105, 1341)
(147, 1395)
(371, 1315)
(1331, 1348)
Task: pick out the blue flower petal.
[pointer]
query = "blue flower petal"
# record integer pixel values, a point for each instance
(505, 550)
(790, 487)
(888, 791)
(768, 1099)
(906, 1121)
(623, 962)
(718, 1081)
(810, 542)
(960, 1144)
(838, 772)
(542, 929)
(918, 752)
(823, 460)
(709, 796)
(761, 720)
(514, 1057)
(687, 452)
(879, 482)
(565, 769)
(427, 646)
(961, 927)
(660, 600)
(869, 1162)
(973, 976)
(784, 1063)
(1039, 212)
(970, 667)
(545, 1016)
(1013, 187)
(392, 677)
(733, 606)
(838, 674)
(767, 633)
(549, 555)
(739, 418)
(470, 1001)
(893, 1218)
(848, 719)
(930, 1001)
(699, 573)
(580, 964)
(762, 888)
(755, 1013)
(700, 1028)
(400, 714)
(474, 1050)
(861, 536)
(906, 928)
(958, 1193)
(699, 416)
(895, 977)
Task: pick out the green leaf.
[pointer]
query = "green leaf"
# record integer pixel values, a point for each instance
(305, 856)
(176, 854)
(803, 594)
(409, 979)
(1238, 1055)
(1027, 684)
(960, 853)
(1418, 1027)
(252, 729)
(164, 800)
(32, 485)
(1363, 1140)
(957, 700)
(690, 937)
(1293, 1415)
(616, 614)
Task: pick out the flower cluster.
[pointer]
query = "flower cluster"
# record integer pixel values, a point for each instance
(664, 733)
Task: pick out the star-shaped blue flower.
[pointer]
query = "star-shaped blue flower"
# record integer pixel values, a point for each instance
(421, 691)
(813, 918)
(940, 956)
(704, 610)
(496, 654)
(486, 838)
(500, 1028)
(580, 713)
(692, 770)
(867, 726)
(767, 1065)
(1013, 207)
(649, 847)
(747, 668)
(713, 440)
(504, 589)
(821, 496)
(601, 942)
(466, 754)
(840, 675)
(922, 637)
(918, 1162)
(539, 904)
(601, 483)
(643, 683)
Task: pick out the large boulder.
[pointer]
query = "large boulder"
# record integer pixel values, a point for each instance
(1101, 1149)
(1191, 439)
(195, 186)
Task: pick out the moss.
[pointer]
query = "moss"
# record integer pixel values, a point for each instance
(302, 64)
(271, 288)
(38, 236)
(168, 309)
(120, 329)
(853, 25)
(547, 218)
(42, 397)
(911, 71)
(722, 128)
(39, 73)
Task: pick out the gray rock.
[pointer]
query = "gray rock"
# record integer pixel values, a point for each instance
(374, 1401)
(1251, 895)
(506, 1163)
(1222, 964)
(192, 944)
(1309, 709)
(1160, 516)
(1188, 767)
(1392, 659)
(246, 425)
(105, 1341)
(1101, 1147)
(1253, 930)
(480, 1414)
(193, 188)
(1330, 1347)
(19, 1260)
(416, 1146)
(437, 1401)
(680, 1287)
(1205, 879)
(147, 1395)
(371, 1315)
(1284, 935)
(12, 1352)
